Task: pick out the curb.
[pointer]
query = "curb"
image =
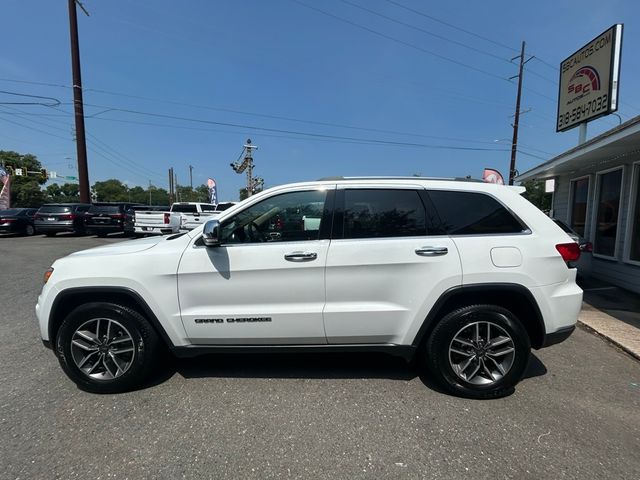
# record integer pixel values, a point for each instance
(622, 335)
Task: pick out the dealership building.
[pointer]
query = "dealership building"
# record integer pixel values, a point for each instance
(596, 191)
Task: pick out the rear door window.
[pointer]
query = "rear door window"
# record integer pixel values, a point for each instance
(377, 213)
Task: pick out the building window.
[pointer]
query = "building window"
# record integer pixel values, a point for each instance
(634, 253)
(579, 194)
(609, 185)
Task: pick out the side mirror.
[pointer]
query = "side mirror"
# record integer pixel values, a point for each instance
(210, 233)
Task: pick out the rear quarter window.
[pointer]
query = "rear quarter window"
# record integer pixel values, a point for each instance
(472, 213)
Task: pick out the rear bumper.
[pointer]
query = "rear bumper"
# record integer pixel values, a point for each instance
(105, 228)
(558, 336)
(55, 227)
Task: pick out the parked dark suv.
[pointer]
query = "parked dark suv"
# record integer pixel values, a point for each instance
(61, 217)
(104, 218)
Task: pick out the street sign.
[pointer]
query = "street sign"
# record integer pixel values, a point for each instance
(18, 172)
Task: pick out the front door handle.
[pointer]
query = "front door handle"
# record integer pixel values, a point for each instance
(300, 256)
(431, 251)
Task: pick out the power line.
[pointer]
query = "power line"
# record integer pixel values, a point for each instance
(141, 171)
(430, 17)
(441, 37)
(397, 40)
(293, 132)
(55, 101)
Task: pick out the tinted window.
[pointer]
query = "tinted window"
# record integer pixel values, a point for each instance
(469, 213)
(634, 253)
(55, 209)
(208, 208)
(579, 193)
(11, 211)
(184, 208)
(373, 213)
(104, 209)
(607, 216)
(221, 207)
(288, 217)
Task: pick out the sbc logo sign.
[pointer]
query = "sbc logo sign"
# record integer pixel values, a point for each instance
(584, 81)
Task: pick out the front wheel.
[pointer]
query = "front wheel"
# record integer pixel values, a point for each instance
(479, 351)
(30, 230)
(106, 348)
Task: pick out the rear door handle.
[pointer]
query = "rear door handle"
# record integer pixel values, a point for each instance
(431, 251)
(300, 256)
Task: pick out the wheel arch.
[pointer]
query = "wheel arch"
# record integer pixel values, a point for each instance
(67, 300)
(514, 297)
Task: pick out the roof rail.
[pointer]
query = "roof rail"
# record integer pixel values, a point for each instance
(412, 177)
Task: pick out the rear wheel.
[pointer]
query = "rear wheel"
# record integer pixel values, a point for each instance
(106, 348)
(479, 351)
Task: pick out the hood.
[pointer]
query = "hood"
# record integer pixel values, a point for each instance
(122, 248)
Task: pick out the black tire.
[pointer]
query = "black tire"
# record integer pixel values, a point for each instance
(29, 230)
(144, 340)
(486, 384)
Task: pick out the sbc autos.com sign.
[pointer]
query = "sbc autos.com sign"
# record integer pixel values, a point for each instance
(589, 80)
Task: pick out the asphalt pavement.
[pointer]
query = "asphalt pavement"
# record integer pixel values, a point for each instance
(576, 415)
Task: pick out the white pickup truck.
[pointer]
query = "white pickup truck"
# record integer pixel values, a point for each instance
(156, 221)
(195, 214)
(181, 216)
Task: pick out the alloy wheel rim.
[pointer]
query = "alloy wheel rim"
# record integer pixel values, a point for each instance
(481, 353)
(102, 349)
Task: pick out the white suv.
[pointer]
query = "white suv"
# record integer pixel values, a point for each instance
(464, 275)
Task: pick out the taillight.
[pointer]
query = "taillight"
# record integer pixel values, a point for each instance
(7, 220)
(570, 252)
(167, 218)
(67, 217)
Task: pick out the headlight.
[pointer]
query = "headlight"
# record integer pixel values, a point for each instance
(48, 274)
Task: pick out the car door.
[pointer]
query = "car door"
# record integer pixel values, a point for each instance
(265, 283)
(385, 269)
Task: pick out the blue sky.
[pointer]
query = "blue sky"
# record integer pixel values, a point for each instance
(213, 73)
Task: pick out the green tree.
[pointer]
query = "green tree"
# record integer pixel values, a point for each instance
(56, 193)
(535, 194)
(25, 189)
(111, 190)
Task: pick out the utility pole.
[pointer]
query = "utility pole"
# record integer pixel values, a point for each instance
(81, 143)
(516, 121)
(171, 185)
(247, 164)
(191, 176)
(175, 186)
(149, 192)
